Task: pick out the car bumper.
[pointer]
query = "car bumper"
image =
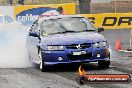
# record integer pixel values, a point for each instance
(65, 57)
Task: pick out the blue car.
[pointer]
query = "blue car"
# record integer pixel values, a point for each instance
(66, 39)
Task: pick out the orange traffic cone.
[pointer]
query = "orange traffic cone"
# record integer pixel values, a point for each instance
(118, 45)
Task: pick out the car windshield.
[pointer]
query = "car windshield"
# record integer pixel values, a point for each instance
(65, 25)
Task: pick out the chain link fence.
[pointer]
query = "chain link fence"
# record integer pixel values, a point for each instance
(34, 2)
(96, 6)
(9, 2)
(113, 6)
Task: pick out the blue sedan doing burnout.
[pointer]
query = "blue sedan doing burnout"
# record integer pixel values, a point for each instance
(66, 39)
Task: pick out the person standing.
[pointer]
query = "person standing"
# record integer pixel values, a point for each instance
(61, 10)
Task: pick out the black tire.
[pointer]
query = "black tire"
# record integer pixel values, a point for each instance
(104, 64)
(41, 64)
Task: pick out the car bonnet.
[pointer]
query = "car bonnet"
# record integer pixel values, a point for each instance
(72, 38)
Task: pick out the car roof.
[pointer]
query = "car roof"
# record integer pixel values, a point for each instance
(58, 16)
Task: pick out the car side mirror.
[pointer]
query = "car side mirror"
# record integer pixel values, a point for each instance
(34, 34)
(100, 29)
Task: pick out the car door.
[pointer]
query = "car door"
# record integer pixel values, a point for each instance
(34, 42)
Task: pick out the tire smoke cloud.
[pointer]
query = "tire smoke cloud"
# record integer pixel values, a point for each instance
(13, 51)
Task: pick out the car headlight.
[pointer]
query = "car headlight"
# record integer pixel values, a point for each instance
(55, 47)
(100, 44)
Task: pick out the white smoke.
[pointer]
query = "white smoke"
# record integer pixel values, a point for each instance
(13, 51)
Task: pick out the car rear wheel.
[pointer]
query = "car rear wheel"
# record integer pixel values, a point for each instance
(41, 65)
(104, 64)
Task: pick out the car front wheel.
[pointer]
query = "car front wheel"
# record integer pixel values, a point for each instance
(41, 65)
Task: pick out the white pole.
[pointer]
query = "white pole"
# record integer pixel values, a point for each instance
(131, 39)
(115, 6)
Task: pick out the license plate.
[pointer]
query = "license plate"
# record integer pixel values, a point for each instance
(79, 53)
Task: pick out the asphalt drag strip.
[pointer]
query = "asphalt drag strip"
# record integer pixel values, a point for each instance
(93, 69)
(62, 76)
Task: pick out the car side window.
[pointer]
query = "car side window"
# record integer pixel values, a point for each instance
(41, 26)
(34, 27)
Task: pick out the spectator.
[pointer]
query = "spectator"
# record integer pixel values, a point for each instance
(60, 10)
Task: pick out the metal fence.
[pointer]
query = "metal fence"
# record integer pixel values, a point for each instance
(102, 6)
(8, 2)
(31, 2)
(114, 6)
